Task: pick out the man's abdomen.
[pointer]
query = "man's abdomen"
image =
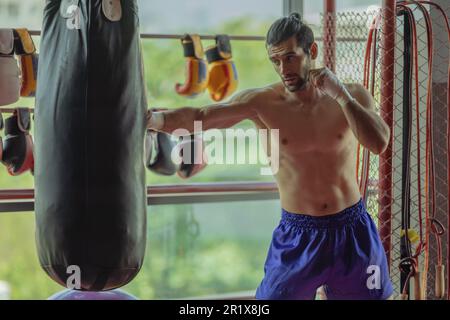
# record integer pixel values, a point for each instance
(317, 186)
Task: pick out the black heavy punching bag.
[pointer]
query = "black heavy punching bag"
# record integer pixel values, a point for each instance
(89, 132)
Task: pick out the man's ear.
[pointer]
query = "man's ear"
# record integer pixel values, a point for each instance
(314, 50)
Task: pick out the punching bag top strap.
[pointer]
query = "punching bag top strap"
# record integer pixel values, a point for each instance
(6, 42)
(23, 119)
(68, 8)
(112, 9)
(23, 43)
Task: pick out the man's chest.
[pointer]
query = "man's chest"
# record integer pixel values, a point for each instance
(324, 128)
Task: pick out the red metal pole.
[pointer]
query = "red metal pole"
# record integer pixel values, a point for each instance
(329, 34)
(387, 111)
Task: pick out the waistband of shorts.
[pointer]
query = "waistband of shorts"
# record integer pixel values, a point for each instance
(342, 218)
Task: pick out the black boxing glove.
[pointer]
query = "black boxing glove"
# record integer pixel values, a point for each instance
(158, 153)
(18, 143)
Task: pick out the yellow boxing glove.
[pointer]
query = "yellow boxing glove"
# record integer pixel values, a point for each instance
(222, 75)
(23, 43)
(29, 67)
(195, 67)
(24, 47)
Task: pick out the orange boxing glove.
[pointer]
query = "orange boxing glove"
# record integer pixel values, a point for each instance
(223, 76)
(25, 49)
(29, 68)
(23, 43)
(195, 67)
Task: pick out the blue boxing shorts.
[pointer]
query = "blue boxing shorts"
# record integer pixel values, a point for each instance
(342, 252)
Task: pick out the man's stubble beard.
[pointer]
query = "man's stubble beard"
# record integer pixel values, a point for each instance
(302, 81)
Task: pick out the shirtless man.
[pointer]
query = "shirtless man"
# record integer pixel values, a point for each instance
(325, 237)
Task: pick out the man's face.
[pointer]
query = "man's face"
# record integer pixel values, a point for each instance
(291, 63)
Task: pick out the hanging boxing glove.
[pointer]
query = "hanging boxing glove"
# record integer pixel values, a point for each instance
(9, 70)
(23, 43)
(28, 66)
(25, 49)
(18, 144)
(159, 158)
(222, 75)
(193, 158)
(6, 42)
(195, 67)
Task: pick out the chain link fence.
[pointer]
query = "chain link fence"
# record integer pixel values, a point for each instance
(409, 182)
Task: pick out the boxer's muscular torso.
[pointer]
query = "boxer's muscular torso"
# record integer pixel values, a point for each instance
(317, 151)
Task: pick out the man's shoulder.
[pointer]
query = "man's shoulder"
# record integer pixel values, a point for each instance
(269, 92)
(275, 88)
(256, 93)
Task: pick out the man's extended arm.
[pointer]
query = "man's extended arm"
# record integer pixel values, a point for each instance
(217, 116)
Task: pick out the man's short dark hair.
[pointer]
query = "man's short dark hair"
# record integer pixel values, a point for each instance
(286, 27)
